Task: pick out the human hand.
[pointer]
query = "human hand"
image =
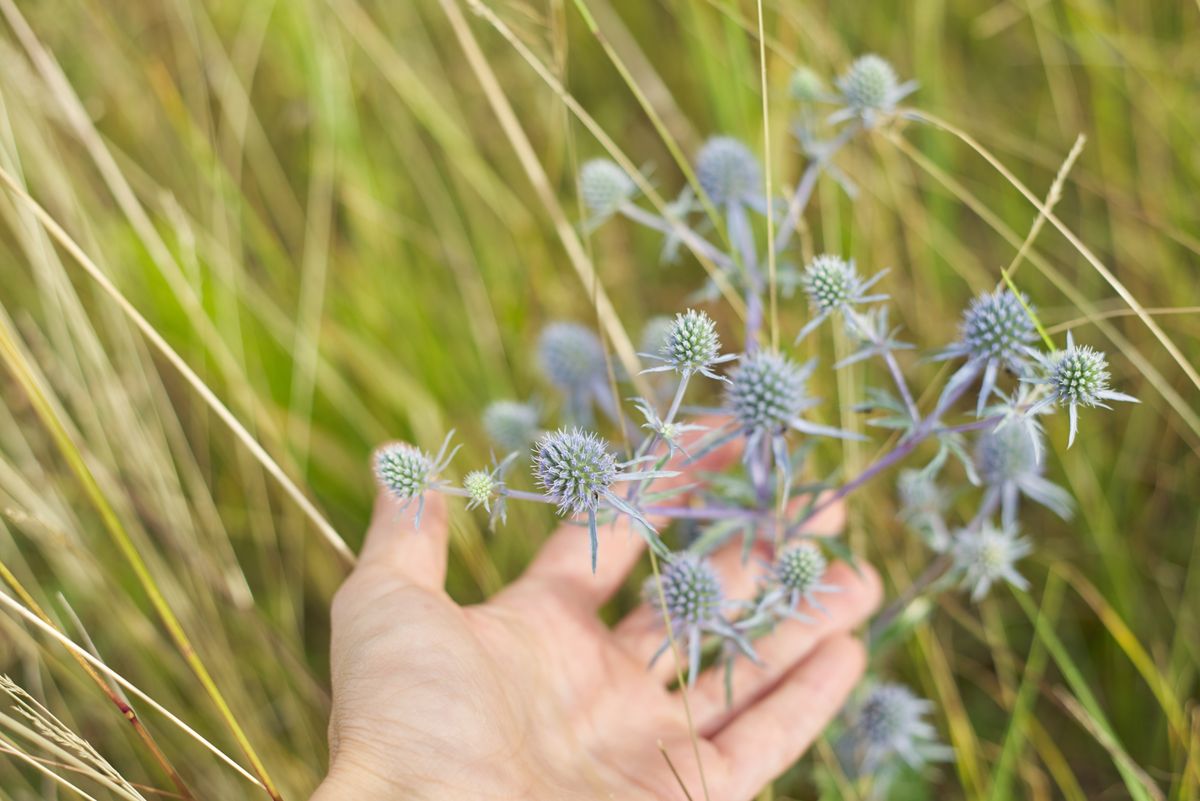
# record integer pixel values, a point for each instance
(531, 696)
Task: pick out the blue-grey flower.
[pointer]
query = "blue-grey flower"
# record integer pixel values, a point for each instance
(806, 85)
(486, 487)
(572, 359)
(996, 331)
(604, 187)
(691, 346)
(767, 393)
(798, 575)
(1077, 376)
(729, 173)
(889, 725)
(577, 470)
(834, 285)
(512, 426)
(765, 397)
(923, 504)
(406, 472)
(987, 554)
(870, 90)
(1008, 461)
(694, 606)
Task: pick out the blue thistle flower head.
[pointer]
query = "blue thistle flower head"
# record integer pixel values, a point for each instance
(481, 486)
(997, 326)
(889, 724)
(512, 426)
(690, 588)
(988, 554)
(691, 345)
(799, 572)
(831, 283)
(404, 470)
(806, 85)
(1008, 453)
(870, 83)
(571, 356)
(576, 468)
(801, 568)
(767, 391)
(728, 172)
(604, 187)
(995, 332)
(870, 90)
(1077, 376)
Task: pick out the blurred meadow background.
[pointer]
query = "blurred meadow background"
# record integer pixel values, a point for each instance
(243, 242)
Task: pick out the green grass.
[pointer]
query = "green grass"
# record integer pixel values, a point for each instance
(315, 205)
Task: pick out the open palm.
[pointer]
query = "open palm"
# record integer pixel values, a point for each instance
(531, 696)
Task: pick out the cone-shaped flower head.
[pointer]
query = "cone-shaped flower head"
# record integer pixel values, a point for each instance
(403, 470)
(1080, 375)
(728, 172)
(571, 356)
(575, 468)
(891, 723)
(690, 588)
(604, 186)
(869, 84)
(995, 332)
(480, 485)
(989, 554)
(806, 85)
(801, 568)
(997, 326)
(831, 283)
(766, 391)
(511, 425)
(1077, 376)
(799, 572)
(1008, 453)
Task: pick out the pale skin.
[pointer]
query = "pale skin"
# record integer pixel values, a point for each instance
(531, 696)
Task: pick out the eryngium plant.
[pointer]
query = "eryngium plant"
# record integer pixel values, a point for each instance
(979, 444)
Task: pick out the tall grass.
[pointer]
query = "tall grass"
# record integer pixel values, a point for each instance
(349, 219)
